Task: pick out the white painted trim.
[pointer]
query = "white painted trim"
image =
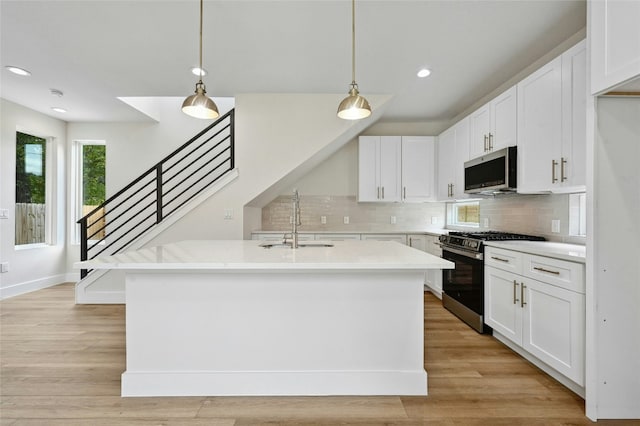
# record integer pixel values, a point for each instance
(252, 383)
(29, 286)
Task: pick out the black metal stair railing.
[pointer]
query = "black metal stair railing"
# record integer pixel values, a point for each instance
(124, 217)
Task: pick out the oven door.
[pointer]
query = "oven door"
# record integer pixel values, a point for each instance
(465, 282)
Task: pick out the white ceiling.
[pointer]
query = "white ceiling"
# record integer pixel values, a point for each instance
(96, 51)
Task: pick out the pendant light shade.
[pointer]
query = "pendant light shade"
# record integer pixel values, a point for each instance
(354, 106)
(199, 105)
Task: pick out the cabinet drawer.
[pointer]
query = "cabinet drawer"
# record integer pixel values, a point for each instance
(401, 238)
(569, 275)
(337, 237)
(507, 260)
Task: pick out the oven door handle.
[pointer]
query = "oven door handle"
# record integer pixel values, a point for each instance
(469, 254)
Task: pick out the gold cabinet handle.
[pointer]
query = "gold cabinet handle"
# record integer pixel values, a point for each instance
(546, 270)
(500, 259)
(490, 141)
(563, 162)
(404, 192)
(515, 292)
(522, 302)
(486, 144)
(554, 163)
(378, 193)
(452, 190)
(383, 192)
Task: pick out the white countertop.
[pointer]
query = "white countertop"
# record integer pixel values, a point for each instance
(434, 231)
(242, 255)
(571, 252)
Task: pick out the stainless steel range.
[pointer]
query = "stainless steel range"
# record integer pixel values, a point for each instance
(463, 287)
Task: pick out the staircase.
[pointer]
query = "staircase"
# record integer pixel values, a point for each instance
(204, 162)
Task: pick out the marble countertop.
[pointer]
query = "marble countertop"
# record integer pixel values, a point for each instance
(571, 252)
(243, 255)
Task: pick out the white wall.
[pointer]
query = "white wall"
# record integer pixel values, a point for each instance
(49, 259)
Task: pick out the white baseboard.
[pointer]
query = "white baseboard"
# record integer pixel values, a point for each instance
(29, 286)
(274, 383)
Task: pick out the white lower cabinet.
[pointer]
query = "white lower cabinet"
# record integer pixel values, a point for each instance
(400, 238)
(544, 319)
(427, 243)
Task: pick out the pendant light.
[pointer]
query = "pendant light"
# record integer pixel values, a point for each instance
(354, 106)
(199, 105)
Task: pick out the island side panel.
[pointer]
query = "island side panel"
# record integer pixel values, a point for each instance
(311, 333)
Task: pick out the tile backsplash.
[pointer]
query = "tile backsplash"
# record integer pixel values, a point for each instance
(365, 217)
(527, 214)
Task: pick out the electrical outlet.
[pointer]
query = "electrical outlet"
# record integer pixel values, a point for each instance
(323, 220)
(485, 222)
(4, 267)
(434, 220)
(228, 214)
(555, 226)
(345, 220)
(393, 220)
(4, 214)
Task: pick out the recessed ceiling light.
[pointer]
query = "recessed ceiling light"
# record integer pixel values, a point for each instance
(58, 109)
(424, 72)
(199, 72)
(18, 70)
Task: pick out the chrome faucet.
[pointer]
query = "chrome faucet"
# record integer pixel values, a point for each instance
(295, 221)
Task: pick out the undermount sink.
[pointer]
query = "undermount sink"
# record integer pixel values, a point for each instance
(301, 244)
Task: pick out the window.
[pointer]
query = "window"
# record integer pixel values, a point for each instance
(90, 184)
(31, 189)
(464, 214)
(578, 214)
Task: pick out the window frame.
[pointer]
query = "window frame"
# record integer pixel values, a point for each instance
(77, 184)
(452, 214)
(49, 198)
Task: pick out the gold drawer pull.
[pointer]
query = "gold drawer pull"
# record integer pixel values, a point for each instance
(546, 270)
(500, 259)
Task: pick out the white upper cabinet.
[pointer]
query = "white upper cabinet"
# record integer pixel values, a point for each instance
(418, 171)
(493, 126)
(453, 151)
(551, 118)
(396, 168)
(379, 165)
(615, 42)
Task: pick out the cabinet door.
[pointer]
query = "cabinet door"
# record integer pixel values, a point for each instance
(446, 148)
(554, 327)
(400, 238)
(573, 174)
(460, 156)
(479, 129)
(540, 129)
(418, 160)
(368, 168)
(615, 43)
(503, 120)
(502, 309)
(390, 167)
(417, 241)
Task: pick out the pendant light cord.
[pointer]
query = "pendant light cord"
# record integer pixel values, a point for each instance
(201, 9)
(353, 42)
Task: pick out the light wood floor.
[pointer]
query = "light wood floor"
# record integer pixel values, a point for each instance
(61, 365)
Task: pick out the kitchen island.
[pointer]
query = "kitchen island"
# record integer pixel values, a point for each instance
(236, 318)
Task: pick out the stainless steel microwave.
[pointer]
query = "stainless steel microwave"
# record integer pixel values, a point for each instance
(492, 173)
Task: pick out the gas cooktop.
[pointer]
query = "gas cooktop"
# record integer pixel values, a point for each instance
(495, 236)
(473, 241)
